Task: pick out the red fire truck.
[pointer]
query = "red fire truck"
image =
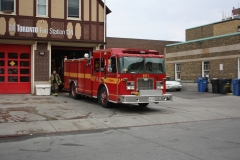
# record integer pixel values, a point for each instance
(118, 75)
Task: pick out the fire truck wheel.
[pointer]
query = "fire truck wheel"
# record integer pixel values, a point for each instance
(143, 104)
(72, 92)
(103, 97)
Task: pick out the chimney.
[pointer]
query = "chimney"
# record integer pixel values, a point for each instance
(236, 11)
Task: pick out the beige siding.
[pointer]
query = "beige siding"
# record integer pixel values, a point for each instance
(26, 7)
(70, 28)
(78, 32)
(101, 13)
(2, 26)
(43, 25)
(12, 22)
(86, 10)
(57, 8)
(94, 10)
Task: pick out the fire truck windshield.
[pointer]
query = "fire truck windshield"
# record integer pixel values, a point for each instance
(154, 65)
(140, 65)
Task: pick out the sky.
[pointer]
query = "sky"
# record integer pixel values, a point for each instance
(163, 19)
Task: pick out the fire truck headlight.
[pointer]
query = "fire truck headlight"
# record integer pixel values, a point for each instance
(130, 86)
(159, 85)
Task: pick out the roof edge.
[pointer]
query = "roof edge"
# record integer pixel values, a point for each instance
(213, 23)
(107, 9)
(204, 39)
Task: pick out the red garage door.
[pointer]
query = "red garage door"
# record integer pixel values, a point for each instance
(15, 69)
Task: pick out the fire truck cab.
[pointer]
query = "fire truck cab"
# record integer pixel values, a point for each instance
(118, 75)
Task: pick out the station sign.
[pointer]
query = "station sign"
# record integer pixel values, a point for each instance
(28, 29)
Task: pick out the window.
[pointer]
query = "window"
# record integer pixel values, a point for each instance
(7, 6)
(98, 66)
(205, 69)
(42, 7)
(131, 65)
(177, 71)
(113, 64)
(73, 8)
(154, 65)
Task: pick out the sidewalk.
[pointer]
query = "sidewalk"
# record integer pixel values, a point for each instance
(23, 114)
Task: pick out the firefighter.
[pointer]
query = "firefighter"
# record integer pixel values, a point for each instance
(55, 81)
(149, 66)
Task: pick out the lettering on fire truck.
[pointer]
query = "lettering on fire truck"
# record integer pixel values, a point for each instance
(118, 75)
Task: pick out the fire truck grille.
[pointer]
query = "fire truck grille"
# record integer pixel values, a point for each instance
(145, 84)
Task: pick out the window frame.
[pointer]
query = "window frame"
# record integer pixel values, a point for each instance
(39, 15)
(205, 68)
(74, 18)
(9, 12)
(177, 71)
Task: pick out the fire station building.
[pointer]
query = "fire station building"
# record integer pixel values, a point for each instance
(36, 35)
(211, 50)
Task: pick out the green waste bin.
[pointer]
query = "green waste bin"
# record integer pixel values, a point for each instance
(225, 85)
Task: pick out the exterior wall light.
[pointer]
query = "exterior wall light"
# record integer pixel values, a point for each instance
(41, 53)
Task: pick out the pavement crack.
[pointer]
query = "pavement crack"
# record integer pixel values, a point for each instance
(114, 113)
(72, 144)
(30, 150)
(52, 126)
(80, 117)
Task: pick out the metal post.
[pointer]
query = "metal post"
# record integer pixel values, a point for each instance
(104, 23)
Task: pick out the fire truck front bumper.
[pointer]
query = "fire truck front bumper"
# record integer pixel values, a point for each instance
(145, 99)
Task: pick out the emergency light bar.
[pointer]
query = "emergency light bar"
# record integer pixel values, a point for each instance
(138, 51)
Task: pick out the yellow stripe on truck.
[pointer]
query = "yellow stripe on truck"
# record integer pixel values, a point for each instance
(93, 78)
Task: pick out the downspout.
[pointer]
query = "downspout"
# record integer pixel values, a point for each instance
(49, 48)
(33, 48)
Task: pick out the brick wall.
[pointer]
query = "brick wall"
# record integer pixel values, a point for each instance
(191, 67)
(41, 63)
(137, 43)
(199, 32)
(227, 27)
(214, 42)
(236, 11)
(215, 29)
(229, 68)
(189, 70)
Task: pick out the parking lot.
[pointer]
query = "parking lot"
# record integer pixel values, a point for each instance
(30, 114)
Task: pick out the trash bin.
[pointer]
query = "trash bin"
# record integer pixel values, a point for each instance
(202, 84)
(215, 85)
(236, 87)
(225, 85)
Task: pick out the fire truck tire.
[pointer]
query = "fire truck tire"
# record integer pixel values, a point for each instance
(72, 92)
(103, 97)
(143, 104)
